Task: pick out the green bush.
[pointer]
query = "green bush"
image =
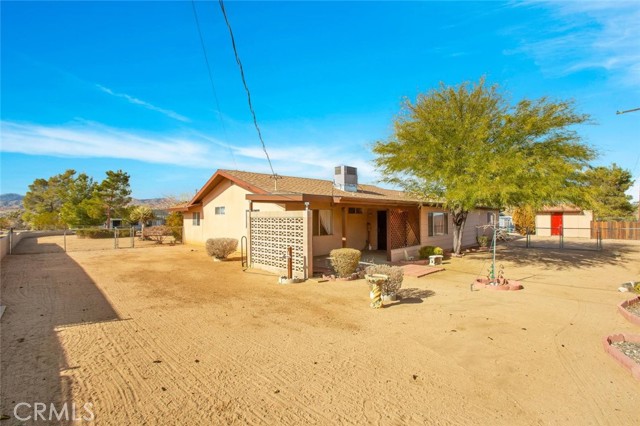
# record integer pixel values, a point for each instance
(345, 261)
(95, 233)
(221, 248)
(427, 251)
(483, 240)
(395, 274)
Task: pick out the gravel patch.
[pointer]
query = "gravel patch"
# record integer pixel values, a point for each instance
(634, 309)
(630, 349)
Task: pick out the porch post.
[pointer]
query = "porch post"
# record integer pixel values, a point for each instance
(344, 228)
(388, 219)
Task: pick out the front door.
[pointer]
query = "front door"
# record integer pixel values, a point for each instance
(556, 223)
(382, 230)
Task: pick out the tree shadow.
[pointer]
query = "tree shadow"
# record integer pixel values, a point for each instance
(410, 296)
(44, 294)
(553, 258)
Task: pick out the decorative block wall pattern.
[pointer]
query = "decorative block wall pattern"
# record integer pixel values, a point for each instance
(271, 233)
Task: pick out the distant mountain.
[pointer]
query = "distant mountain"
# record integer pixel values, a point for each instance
(14, 202)
(11, 201)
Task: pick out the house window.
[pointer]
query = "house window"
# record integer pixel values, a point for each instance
(196, 219)
(322, 222)
(438, 224)
(220, 210)
(355, 210)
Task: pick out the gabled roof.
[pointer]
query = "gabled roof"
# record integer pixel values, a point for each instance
(289, 188)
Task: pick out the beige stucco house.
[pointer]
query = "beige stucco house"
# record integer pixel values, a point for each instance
(565, 220)
(328, 214)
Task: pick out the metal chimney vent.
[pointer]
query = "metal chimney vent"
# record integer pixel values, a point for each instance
(346, 178)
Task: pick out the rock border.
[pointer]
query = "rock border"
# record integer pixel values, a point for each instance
(625, 361)
(622, 308)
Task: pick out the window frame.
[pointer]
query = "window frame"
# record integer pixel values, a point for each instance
(219, 210)
(317, 223)
(195, 217)
(432, 224)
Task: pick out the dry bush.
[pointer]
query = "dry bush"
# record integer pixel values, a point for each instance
(221, 248)
(345, 261)
(395, 274)
(157, 233)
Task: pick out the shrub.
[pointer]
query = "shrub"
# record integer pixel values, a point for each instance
(94, 233)
(395, 274)
(345, 261)
(483, 240)
(157, 233)
(221, 248)
(427, 251)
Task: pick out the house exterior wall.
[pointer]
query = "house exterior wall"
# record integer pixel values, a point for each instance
(231, 224)
(577, 225)
(543, 225)
(475, 218)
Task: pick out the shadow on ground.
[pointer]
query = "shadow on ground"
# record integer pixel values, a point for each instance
(410, 296)
(43, 289)
(559, 259)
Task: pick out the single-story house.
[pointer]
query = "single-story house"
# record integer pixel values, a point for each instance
(315, 216)
(566, 220)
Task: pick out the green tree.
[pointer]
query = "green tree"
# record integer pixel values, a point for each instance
(524, 219)
(111, 196)
(76, 208)
(175, 222)
(466, 146)
(44, 199)
(607, 187)
(141, 214)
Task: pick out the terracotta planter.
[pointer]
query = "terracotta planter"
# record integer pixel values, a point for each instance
(618, 355)
(507, 285)
(622, 308)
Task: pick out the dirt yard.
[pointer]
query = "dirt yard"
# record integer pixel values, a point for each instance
(165, 336)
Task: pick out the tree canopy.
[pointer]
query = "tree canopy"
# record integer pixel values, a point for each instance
(466, 146)
(607, 192)
(70, 200)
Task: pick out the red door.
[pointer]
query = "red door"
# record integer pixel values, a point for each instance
(556, 223)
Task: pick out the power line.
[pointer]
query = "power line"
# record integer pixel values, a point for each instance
(213, 86)
(246, 88)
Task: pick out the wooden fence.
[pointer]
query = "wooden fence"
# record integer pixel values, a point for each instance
(616, 230)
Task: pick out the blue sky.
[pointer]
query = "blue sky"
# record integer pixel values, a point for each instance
(96, 86)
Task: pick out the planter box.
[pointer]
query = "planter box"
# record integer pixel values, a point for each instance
(622, 308)
(510, 285)
(618, 355)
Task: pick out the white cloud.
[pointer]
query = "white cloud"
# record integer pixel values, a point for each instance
(147, 105)
(94, 140)
(587, 35)
(85, 139)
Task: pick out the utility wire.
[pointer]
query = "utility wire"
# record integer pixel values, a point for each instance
(213, 86)
(246, 88)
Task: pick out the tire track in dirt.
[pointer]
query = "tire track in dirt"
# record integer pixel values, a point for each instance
(569, 362)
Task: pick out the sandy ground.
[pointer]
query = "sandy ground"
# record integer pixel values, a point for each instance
(165, 336)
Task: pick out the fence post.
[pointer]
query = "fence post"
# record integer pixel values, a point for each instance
(65, 240)
(115, 238)
(10, 240)
(132, 233)
(528, 236)
(561, 237)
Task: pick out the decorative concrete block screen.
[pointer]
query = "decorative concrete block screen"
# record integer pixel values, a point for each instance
(271, 233)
